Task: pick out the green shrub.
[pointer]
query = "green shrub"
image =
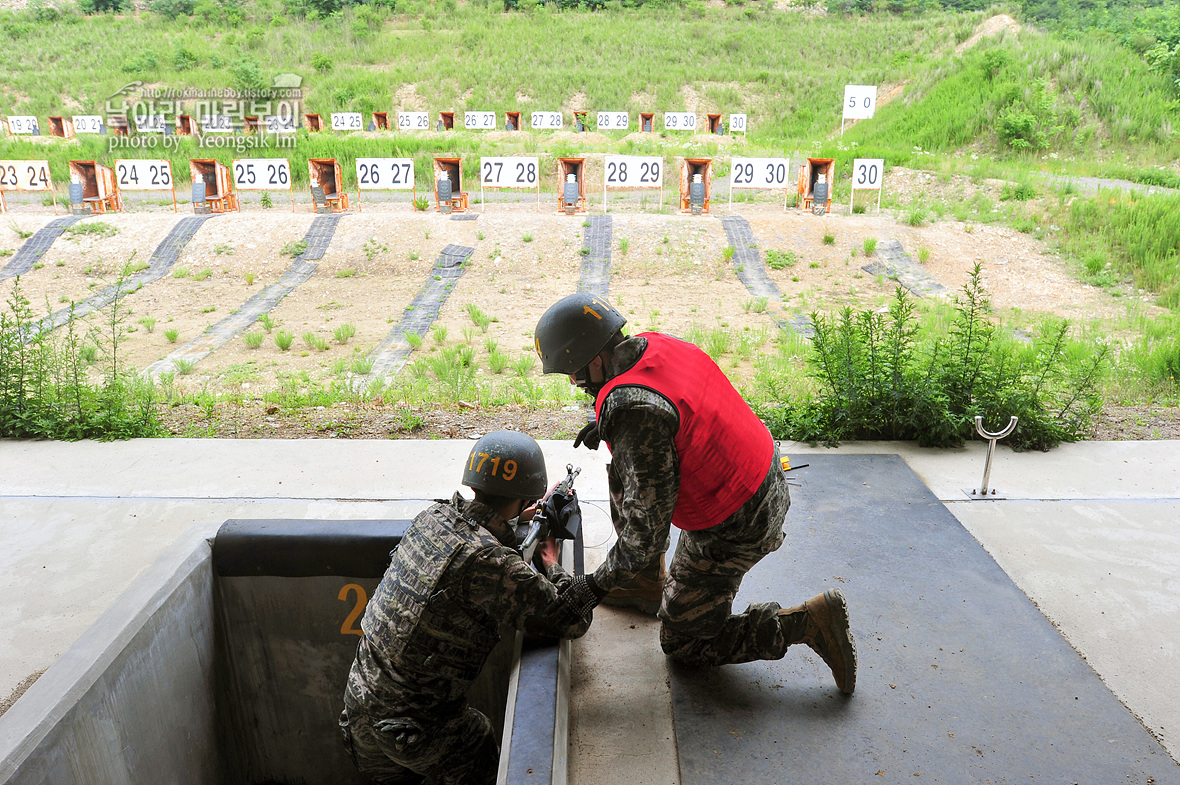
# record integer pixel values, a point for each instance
(880, 379)
(46, 391)
(254, 339)
(777, 260)
(283, 340)
(344, 332)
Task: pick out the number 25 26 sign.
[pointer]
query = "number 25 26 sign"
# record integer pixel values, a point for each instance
(262, 174)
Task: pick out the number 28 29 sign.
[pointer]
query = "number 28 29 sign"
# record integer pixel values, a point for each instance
(143, 175)
(262, 174)
(634, 171)
(511, 172)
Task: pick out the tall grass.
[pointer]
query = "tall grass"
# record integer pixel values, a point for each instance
(46, 387)
(1139, 235)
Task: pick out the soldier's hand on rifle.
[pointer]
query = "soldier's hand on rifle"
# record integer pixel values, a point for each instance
(588, 436)
(576, 601)
(548, 553)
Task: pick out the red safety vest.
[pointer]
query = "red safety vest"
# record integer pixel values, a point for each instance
(725, 450)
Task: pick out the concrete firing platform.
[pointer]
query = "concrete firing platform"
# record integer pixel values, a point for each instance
(961, 678)
(1088, 533)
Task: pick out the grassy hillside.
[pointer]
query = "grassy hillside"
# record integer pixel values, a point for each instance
(1032, 92)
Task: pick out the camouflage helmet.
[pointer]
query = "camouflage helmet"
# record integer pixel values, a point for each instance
(507, 463)
(573, 330)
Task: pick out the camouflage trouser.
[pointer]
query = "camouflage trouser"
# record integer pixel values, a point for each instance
(704, 577)
(461, 751)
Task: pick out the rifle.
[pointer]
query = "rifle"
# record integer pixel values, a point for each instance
(558, 516)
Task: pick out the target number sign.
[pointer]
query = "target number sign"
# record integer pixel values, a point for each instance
(680, 121)
(87, 124)
(547, 121)
(479, 121)
(216, 124)
(22, 124)
(385, 174)
(143, 175)
(25, 176)
(634, 171)
(509, 172)
(281, 124)
(613, 121)
(760, 172)
(346, 121)
(860, 101)
(413, 121)
(150, 124)
(737, 123)
(868, 173)
(262, 174)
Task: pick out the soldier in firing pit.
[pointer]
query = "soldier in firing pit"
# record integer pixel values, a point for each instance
(453, 580)
(686, 451)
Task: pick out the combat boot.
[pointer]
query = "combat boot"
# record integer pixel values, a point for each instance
(822, 623)
(644, 592)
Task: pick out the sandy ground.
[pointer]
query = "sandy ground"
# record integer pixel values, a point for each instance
(669, 273)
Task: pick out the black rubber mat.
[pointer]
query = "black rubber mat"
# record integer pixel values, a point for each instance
(35, 247)
(160, 262)
(747, 262)
(595, 274)
(465, 217)
(318, 237)
(390, 355)
(961, 679)
(893, 262)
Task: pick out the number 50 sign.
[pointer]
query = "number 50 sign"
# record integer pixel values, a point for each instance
(867, 175)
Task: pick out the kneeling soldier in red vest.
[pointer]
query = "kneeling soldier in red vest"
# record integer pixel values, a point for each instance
(453, 580)
(686, 451)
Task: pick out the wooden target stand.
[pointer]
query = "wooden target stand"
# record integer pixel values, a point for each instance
(136, 174)
(99, 191)
(25, 176)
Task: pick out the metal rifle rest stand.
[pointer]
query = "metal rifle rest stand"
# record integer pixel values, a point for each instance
(982, 492)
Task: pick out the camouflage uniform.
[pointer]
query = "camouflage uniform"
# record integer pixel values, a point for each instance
(428, 629)
(707, 569)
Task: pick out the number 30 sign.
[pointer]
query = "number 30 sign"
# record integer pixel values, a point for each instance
(868, 174)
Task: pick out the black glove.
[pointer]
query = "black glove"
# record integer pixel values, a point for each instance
(588, 436)
(576, 600)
